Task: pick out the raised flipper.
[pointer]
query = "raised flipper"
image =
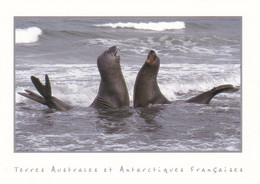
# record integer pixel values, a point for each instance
(46, 98)
(33, 96)
(44, 90)
(206, 97)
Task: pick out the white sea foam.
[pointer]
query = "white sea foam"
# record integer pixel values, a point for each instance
(28, 35)
(78, 84)
(155, 26)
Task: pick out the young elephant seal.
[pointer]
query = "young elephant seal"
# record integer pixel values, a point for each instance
(112, 91)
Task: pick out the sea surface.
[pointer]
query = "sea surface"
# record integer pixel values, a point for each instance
(197, 54)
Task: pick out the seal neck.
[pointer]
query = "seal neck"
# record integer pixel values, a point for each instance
(150, 71)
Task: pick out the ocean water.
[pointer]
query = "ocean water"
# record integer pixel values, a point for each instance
(196, 55)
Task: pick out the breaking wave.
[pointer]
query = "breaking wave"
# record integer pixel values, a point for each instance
(28, 35)
(155, 26)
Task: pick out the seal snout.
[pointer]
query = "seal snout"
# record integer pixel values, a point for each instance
(113, 50)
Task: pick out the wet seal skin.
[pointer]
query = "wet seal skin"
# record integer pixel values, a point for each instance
(112, 91)
(205, 98)
(46, 98)
(147, 91)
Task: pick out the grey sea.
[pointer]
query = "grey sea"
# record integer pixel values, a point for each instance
(197, 54)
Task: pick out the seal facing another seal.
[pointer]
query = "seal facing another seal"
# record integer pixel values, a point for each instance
(146, 89)
(112, 89)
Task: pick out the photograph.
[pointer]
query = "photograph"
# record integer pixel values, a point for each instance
(118, 84)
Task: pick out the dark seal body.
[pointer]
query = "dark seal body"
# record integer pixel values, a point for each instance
(146, 89)
(112, 91)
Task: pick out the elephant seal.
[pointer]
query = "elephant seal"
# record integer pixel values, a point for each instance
(147, 91)
(112, 91)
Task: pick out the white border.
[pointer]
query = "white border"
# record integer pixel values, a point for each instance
(248, 159)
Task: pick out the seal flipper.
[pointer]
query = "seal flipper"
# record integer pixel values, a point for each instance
(45, 91)
(46, 98)
(206, 97)
(33, 96)
(47, 86)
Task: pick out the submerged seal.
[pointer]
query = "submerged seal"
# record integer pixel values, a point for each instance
(112, 91)
(147, 91)
(205, 98)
